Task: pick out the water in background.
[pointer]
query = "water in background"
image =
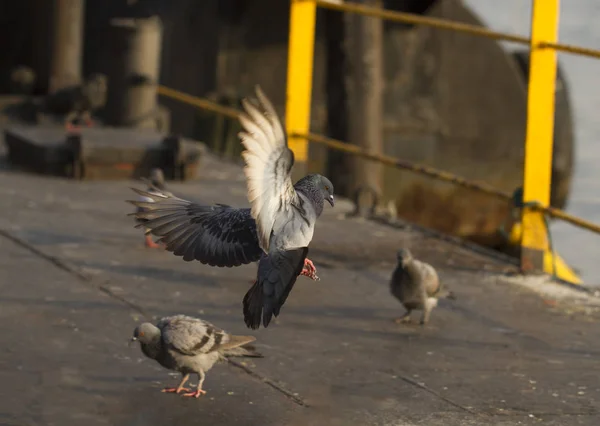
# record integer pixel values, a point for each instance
(579, 26)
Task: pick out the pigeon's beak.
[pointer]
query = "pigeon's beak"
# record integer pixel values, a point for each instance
(330, 200)
(133, 339)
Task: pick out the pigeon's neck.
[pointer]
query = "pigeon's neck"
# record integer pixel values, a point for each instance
(313, 194)
(153, 349)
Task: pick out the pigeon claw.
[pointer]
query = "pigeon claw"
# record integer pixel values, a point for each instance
(175, 390)
(151, 244)
(195, 394)
(310, 270)
(71, 128)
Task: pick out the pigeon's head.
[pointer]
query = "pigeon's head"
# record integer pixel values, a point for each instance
(404, 256)
(326, 188)
(145, 333)
(318, 186)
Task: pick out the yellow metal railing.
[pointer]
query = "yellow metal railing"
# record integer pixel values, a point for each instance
(303, 17)
(540, 134)
(531, 232)
(562, 270)
(540, 107)
(338, 145)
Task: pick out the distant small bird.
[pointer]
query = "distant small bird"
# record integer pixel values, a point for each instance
(156, 185)
(416, 285)
(190, 346)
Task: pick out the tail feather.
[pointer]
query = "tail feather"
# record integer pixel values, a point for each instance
(236, 341)
(253, 305)
(246, 351)
(277, 274)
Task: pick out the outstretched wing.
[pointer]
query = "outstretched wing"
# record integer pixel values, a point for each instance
(269, 163)
(217, 235)
(191, 336)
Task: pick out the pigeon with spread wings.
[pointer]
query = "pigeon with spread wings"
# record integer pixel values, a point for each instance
(275, 231)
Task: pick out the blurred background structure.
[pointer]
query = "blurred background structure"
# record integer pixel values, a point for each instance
(423, 94)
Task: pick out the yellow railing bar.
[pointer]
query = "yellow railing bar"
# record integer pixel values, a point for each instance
(573, 220)
(445, 176)
(445, 24)
(539, 135)
(568, 48)
(411, 18)
(198, 102)
(407, 165)
(384, 159)
(303, 17)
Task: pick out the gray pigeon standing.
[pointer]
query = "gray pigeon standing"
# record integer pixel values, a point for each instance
(156, 185)
(275, 231)
(190, 346)
(416, 285)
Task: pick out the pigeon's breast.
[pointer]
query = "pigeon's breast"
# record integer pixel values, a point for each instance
(404, 287)
(295, 226)
(194, 363)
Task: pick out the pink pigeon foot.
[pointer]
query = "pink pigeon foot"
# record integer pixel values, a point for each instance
(196, 394)
(309, 270)
(71, 128)
(151, 244)
(175, 390)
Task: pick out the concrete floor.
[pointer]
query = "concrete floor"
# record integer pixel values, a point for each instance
(75, 279)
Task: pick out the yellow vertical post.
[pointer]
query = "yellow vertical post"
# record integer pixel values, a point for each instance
(539, 136)
(303, 16)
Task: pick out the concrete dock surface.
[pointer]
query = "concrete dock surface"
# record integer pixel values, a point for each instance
(76, 279)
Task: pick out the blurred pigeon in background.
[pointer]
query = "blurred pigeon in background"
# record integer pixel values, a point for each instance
(189, 345)
(78, 103)
(276, 229)
(416, 285)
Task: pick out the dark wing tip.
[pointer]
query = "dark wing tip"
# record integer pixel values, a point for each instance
(253, 306)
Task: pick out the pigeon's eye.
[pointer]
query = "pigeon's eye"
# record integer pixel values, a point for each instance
(326, 188)
(141, 334)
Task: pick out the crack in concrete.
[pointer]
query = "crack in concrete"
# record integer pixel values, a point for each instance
(440, 396)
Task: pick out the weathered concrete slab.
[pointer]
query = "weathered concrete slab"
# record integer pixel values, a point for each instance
(499, 355)
(101, 152)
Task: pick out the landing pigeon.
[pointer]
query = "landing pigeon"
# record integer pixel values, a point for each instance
(189, 345)
(285, 214)
(275, 231)
(416, 285)
(156, 184)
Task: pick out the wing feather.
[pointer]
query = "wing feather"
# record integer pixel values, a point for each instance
(269, 162)
(216, 235)
(191, 336)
